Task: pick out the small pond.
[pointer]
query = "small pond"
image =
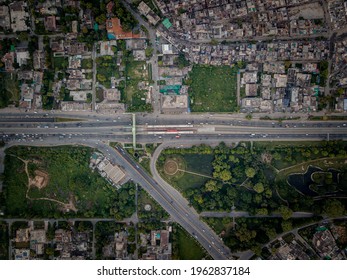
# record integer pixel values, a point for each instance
(302, 181)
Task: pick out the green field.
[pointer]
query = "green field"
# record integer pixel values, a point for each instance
(60, 63)
(71, 182)
(254, 177)
(9, 89)
(136, 72)
(196, 163)
(213, 89)
(186, 247)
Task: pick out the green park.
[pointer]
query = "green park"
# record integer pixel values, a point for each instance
(213, 88)
(261, 178)
(57, 182)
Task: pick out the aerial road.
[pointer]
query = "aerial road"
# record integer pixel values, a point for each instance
(98, 132)
(180, 212)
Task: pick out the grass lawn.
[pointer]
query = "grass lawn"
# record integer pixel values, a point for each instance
(213, 89)
(145, 163)
(60, 63)
(186, 246)
(70, 180)
(196, 163)
(201, 164)
(12, 86)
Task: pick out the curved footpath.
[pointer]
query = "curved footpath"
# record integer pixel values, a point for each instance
(215, 240)
(171, 200)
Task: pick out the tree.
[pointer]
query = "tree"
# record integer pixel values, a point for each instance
(244, 234)
(212, 186)
(101, 19)
(287, 226)
(182, 61)
(214, 42)
(149, 52)
(333, 208)
(259, 187)
(225, 175)
(285, 212)
(101, 77)
(49, 251)
(250, 172)
(23, 36)
(262, 211)
(249, 117)
(271, 233)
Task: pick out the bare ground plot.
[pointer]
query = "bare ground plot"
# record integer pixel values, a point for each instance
(308, 11)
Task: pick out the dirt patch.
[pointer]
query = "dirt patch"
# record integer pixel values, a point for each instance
(308, 11)
(171, 167)
(67, 207)
(40, 180)
(266, 158)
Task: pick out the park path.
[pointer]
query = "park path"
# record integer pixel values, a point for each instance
(310, 162)
(197, 174)
(69, 205)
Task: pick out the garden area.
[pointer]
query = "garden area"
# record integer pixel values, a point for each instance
(135, 97)
(185, 247)
(187, 170)
(255, 178)
(60, 63)
(57, 182)
(213, 89)
(106, 69)
(149, 209)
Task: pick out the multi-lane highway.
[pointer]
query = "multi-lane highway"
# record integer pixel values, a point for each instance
(98, 130)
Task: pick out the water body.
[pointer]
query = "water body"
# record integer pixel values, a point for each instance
(302, 181)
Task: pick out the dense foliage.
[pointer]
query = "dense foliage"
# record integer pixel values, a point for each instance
(253, 178)
(70, 180)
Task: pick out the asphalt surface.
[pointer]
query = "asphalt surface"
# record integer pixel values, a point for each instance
(97, 131)
(172, 203)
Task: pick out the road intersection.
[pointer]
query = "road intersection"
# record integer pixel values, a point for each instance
(99, 132)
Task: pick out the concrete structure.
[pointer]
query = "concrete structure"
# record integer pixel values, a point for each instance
(18, 16)
(174, 104)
